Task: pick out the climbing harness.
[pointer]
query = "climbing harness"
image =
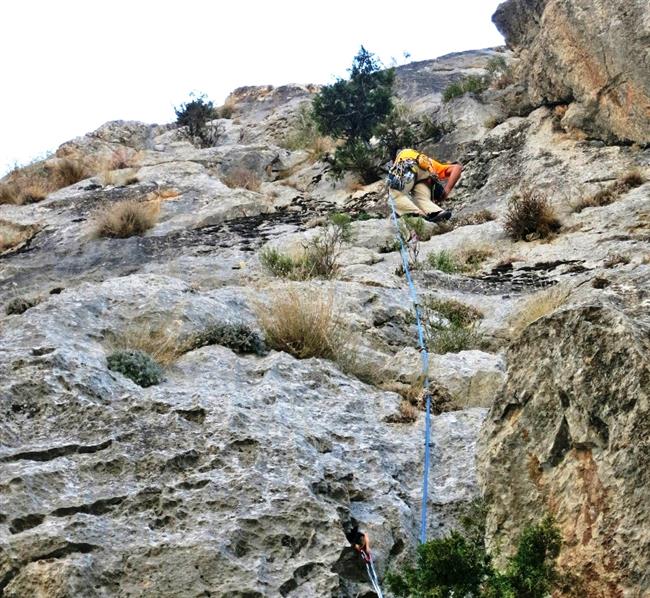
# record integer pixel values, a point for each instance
(372, 574)
(425, 368)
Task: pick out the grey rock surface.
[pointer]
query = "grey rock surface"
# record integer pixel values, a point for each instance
(569, 436)
(236, 474)
(592, 56)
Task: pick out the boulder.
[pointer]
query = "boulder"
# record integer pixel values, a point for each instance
(593, 55)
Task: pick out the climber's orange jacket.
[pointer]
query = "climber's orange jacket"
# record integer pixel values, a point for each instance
(442, 171)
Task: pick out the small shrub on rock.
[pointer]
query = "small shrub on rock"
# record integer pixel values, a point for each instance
(469, 84)
(443, 261)
(604, 197)
(530, 216)
(278, 264)
(194, 115)
(126, 218)
(304, 325)
(238, 337)
(450, 326)
(137, 366)
(320, 255)
(459, 565)
(20, 305)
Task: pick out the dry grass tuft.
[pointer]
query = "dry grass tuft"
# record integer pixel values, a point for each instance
(530, 216)
(13, 235)
(616, 259)
(474, 218)
(159, 340)
(537, 306)
(303, 324)
(68, 171)
(608, 195)
(242, 178)
(126, 218)
(631, 179)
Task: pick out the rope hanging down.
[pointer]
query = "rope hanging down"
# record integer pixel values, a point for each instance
(372, 574)
(425, 368)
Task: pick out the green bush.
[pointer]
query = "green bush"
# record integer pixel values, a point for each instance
(278, 264)
(458, 565)
(450, 326)
(357, 156)
(194, 114)
(469, 84)
(238, 337)
(320, 254)
(353, 110)
(443, 261)
(137, 366)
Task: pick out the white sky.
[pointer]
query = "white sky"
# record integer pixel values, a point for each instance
(68, 66)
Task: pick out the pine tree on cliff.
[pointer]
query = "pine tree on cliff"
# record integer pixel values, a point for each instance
(353, 110)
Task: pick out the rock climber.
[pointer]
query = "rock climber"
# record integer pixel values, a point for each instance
(359, 541)
(422, 180)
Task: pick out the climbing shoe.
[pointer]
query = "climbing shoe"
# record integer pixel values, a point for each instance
(438, 216)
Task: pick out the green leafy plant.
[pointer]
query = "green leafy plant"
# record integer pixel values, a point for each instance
(137, 366)
(278, 264)
(458, 565)
(450, 326)
(194, 115)
(238, 337)
(320, 255)
(352, 110)
(443, 261)
(468, 84)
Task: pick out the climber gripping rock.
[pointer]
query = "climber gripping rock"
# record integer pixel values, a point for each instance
(417, 181)
(360, 542)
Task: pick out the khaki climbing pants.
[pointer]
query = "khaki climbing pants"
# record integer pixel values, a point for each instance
(416, 197)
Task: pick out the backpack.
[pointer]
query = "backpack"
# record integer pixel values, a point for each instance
(402, 173)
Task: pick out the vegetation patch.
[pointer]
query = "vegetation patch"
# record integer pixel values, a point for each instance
(469, 84)
(530, 216)
(458, 564)
(608, 195)
(34, 182)
(466, 260)
(20, 305)
(304, 325)
(304, 135)
(319, 257)
(136, 365)
(13, 236)
(450, 326)
(537, 306)
(194, 115)
(238, 337)
(126, 218)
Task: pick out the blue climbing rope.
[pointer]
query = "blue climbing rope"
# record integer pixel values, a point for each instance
(425, 368)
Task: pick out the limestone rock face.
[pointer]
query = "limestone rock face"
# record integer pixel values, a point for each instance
(591, 55)
(234, 476)
(569, 435)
